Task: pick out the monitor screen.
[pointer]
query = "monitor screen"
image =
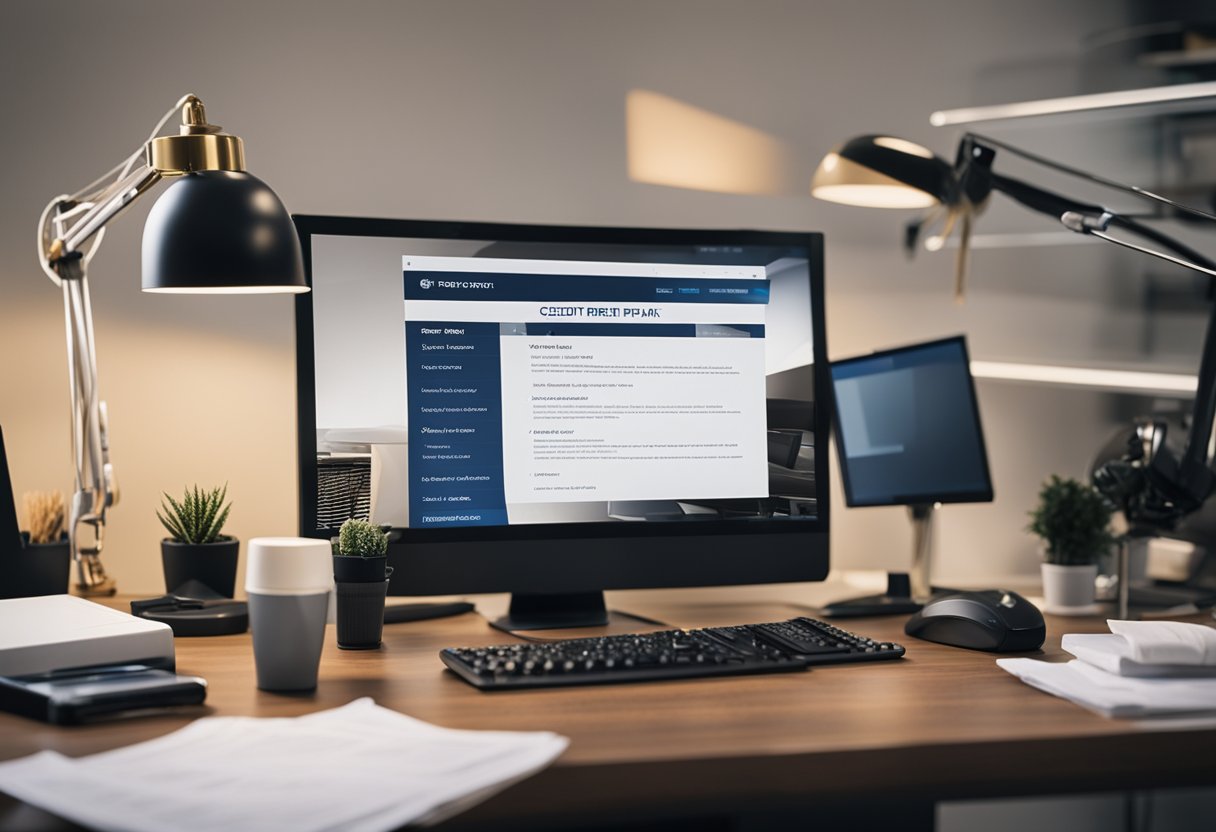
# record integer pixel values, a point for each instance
(908, 427)
(570, 409)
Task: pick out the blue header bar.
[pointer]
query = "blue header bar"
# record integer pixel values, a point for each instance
(424, 284)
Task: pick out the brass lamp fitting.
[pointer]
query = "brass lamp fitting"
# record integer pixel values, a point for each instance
(198, 146)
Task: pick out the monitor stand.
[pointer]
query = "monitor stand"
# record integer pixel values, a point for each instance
(559, 611)
(906, 592)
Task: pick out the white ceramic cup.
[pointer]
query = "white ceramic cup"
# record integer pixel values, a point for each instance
(288, 582)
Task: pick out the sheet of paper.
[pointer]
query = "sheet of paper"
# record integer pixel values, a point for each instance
(359, 767)
(1112, 695)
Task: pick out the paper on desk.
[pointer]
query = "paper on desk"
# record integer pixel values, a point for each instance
(1112, 695)
(359, 767)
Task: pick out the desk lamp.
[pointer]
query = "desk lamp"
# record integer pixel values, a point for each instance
(1152, 485)
(216, 229)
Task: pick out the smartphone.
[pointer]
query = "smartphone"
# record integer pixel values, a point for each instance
(70, 697)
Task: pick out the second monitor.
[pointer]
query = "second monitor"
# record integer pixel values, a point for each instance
(908, 433)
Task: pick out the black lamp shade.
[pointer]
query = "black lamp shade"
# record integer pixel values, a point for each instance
(221, 231)
(883, 163)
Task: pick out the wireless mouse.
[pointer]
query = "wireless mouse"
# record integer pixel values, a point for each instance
(995, 620)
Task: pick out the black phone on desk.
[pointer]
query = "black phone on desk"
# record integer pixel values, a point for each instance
(71, 697)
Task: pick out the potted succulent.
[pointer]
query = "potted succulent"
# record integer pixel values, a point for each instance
(197, 549)
(43, 566)
(1073, 520)
(361, 573)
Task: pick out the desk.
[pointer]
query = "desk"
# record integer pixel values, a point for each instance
(861, 741)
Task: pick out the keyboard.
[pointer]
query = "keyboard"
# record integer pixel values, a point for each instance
(669, 654)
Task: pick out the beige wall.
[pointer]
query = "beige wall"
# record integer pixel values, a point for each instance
(515, 111)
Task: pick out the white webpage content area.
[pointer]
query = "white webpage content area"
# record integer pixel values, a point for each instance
(594, 407)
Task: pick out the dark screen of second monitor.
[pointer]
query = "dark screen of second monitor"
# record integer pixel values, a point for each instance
(908, 433)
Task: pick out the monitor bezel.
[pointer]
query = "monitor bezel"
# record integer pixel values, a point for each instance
(537, 557)
(978, 496)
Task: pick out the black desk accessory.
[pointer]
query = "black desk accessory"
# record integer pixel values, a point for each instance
(995, 620)
(194, 609)
(399, 613)
(71, 697)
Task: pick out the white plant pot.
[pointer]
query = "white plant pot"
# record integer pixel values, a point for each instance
(1069, 589)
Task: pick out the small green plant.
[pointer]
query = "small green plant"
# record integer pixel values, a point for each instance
(198, 517)
(1073, 519)
(362, 539)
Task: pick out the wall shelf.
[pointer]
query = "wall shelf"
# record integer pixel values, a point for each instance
(1174, 98)
(1143, 382)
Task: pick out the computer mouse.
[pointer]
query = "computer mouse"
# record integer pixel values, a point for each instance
(995, 620)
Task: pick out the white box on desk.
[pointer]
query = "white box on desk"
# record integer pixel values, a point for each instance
(60, 632)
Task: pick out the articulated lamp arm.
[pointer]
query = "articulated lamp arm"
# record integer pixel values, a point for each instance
(1152, 486)
(66, 263)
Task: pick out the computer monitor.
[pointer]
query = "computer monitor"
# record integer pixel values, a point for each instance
(908, 432)
(557, 411)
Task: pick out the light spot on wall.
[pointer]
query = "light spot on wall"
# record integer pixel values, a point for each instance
(676, 144)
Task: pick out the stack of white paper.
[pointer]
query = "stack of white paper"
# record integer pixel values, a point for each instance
(1141, 668)
(359, 767)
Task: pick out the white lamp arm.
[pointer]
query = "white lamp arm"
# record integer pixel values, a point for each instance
(60, 252)
(112, 201)
(96, 489)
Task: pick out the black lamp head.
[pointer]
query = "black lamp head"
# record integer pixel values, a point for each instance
(221, 231)
(216, 228)
(885, 172)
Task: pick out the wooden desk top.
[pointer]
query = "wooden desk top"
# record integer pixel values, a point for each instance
(943, 723)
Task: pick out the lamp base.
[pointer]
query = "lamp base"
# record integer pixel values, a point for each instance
(106, 589)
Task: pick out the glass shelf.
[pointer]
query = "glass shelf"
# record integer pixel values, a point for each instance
(1140, 381)
(1149, 101)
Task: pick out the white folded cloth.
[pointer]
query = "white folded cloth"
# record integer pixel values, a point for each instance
(1148, 649)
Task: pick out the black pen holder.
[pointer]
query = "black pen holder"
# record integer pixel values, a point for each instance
(361, 614)
(36, 569)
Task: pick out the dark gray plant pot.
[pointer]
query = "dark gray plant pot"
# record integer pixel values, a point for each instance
(37, 569)
(361, 614)
(212, 564)
(355, 569)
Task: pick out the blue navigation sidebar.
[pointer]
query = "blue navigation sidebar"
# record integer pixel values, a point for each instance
(454, 397)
